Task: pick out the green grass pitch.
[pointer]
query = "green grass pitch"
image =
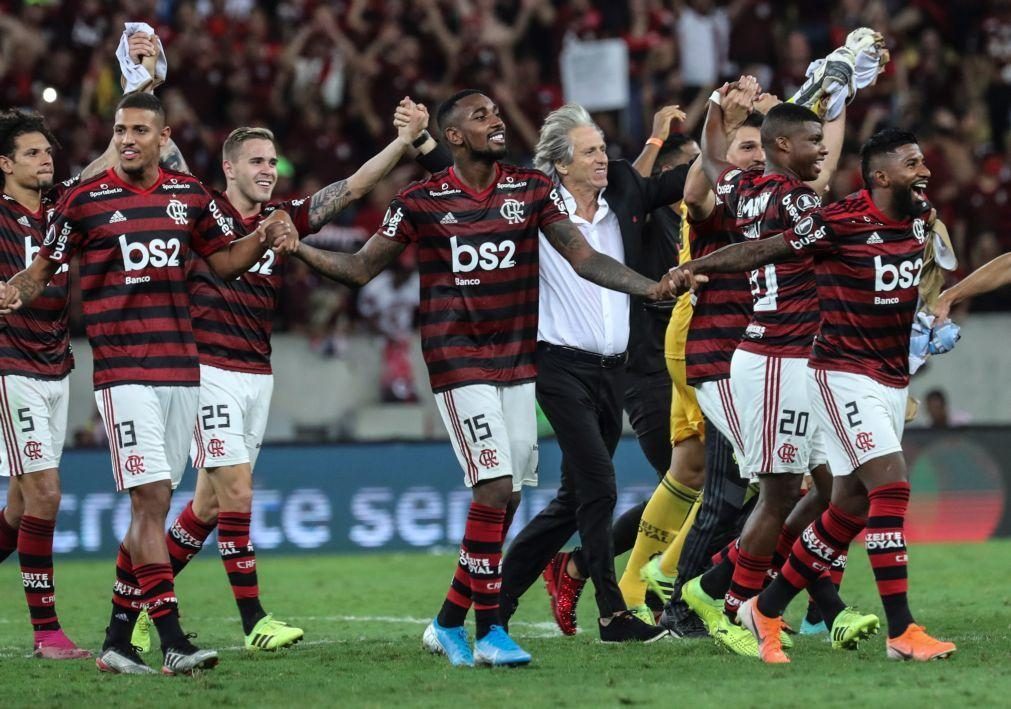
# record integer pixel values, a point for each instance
(363, 617)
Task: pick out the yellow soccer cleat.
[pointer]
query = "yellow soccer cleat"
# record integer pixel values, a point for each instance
(141, 637)
(269, 634)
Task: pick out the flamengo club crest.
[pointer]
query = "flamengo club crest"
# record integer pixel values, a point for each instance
(216, 447)
(177, 212)
(488, 458)
(512, 211)
(134, 464)
(33, 450)
(787, 453)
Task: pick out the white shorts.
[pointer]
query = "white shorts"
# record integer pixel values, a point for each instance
(717, 403)
(860, 418)
(33, 414)
(232, 417)
(493, 430)
(149, 430)
(780, 433)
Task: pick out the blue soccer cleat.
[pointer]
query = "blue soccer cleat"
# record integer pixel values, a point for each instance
(497, 649)
(451, 642)
(809, 628)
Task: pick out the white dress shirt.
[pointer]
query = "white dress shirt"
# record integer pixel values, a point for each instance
(572, 311)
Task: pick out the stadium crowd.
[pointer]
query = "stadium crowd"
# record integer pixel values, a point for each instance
(335, 70)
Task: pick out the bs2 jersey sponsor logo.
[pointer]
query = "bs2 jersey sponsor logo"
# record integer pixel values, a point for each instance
(488, 256)
(904, 274)
(157, 253)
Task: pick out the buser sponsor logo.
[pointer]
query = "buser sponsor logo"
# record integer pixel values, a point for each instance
(31, 250)
(392, 222)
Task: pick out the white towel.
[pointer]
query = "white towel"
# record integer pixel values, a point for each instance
(135, 76)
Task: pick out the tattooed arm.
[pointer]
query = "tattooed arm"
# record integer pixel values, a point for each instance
(738, 258)
(330, 200)
(602, 269)
(25, 286)
(355, 269)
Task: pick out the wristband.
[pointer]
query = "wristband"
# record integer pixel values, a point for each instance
(655, 141)
(715, 97)
(421, 139)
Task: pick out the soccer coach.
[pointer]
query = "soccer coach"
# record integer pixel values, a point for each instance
(583, 335)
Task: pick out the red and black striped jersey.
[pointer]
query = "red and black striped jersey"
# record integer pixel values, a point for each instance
(232, 320)
(34, 341)
(784, 299)
(868, 272)
(722, 307)
(133, 246)
(477, 255)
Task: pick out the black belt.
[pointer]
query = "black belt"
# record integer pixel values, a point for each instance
(598, 360)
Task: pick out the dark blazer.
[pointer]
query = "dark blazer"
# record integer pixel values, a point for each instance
(631, 197)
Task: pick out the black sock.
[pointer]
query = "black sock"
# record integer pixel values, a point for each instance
(251, 612)
(451, 615)
(625, 529)
(483, 620)
(120, 627)
(813, 616)
(776, 597)
(826, 596)
(169, 630)
(898, 613)
(716, 581)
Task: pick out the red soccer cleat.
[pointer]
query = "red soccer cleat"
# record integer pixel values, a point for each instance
(55, 645)
(564, 591)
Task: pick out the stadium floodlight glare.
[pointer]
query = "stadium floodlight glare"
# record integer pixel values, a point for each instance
(49, 94)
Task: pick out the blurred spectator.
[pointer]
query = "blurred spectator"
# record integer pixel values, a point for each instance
(325, 76)
(938, 413)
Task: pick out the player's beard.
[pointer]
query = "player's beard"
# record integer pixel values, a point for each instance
(487, 153)
(908, 204)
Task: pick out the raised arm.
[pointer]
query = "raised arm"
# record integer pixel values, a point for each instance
(605, 271)
(25, 286)
(661, 130)
(738, 258)
(699, 197)
(723, 118)
(988, 277)
(355, 269)
(835, 131)
(325, 204)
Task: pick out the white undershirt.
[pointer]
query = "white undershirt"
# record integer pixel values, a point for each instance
(572, 311)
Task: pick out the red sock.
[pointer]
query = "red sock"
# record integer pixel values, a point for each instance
(237, 553)
(35, 552)
(886, 548)
(839, 567)
(158, 589)
(821, 543)
(481, 561)
(749, 575)
(8, 537)
(185, 538)
(126, 592)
